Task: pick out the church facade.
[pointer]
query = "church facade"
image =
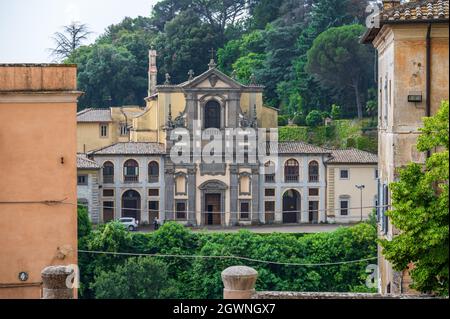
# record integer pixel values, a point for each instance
(203, 153)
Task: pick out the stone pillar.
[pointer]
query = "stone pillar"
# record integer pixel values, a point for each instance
(255, 195)
(192, 191)
(233, 109)
(54, 282)
(234, 181)
(169, 190)
(239, 282)
(191, 110)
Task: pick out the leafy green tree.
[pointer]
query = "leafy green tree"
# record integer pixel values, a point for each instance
(108, 75)
(314, 118)
(339, 62)
(137, 278)
(335, 112)
(420, 211)
(325, 14)
(83, 223)
(184, 45)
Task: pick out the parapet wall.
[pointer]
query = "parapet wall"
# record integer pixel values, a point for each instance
(38, 77)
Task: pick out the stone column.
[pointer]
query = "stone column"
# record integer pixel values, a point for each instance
(233, 109)
(192, 191)
(239, 282)
(54, 282)
(233, 194)
(255, 195)
(169, 190)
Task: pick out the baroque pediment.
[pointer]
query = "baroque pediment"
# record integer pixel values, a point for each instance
(213, 78)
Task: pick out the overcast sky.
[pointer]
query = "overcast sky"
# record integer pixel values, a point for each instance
(26, 26)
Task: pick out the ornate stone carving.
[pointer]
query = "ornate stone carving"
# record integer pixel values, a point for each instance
(214, 185)
(213, 79)
(167, 82)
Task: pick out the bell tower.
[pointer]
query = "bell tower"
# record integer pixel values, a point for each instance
(152, 72)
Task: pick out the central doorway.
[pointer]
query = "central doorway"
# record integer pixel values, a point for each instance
(213, 210)
(131, 204)
(291, 207)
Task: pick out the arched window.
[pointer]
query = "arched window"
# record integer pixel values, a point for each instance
(313, 172)
(108, 173)
(269, 172)
(212, 115)
(153, 172)
(291, 171)
(131, 171)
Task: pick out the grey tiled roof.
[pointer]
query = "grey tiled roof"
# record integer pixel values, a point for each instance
(84, 163)
(352, 156)
(131, 148)
(297, 148)
(94, 115)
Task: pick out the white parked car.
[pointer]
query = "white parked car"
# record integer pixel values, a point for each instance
(129, 222)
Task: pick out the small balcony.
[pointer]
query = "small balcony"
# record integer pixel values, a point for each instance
(291, 178)
(131, 178)
(313, 178)
(270, 178)
(108, 179)
(153, 178)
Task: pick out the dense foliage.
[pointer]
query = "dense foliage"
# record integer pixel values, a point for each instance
(420, 211)
(339, 134)
(267, 39)
(200, 277)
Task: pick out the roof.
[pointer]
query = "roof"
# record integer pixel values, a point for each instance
(84, 163)
(352, 156)
(131, 148)
(423, 11)
(205, 75)
(297, 148)
(94, 115)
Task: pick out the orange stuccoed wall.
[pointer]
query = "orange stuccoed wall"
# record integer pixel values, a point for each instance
(38, 106)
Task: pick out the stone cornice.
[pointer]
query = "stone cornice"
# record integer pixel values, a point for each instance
(40, 96)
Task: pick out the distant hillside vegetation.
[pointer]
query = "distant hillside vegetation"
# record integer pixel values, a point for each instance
(340, 134)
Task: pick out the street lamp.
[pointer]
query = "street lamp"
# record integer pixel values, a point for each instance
(361, 187)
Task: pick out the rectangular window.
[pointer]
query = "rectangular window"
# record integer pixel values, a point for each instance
(108, 211)
(245, 210)
(123, 129)
(153, 207)
(313, 192)
(269, 192)
(269, 210)
(103, 130)
(313, 211)
(153, 192)
(344, 174)
(82, 180)
(344, 206)
(108, 193)
(181, 210)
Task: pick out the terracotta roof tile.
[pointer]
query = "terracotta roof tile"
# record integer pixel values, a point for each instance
(352, 156)
(84, 163)
(94, 115)
(131, 148)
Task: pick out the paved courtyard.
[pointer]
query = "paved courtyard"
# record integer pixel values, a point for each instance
(306, 229)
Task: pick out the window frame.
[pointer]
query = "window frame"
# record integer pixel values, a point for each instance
(185, 211)
(86, 179)
(291, 171)
(341, 170)
(106, 127)
(110, 178)
(312, 176)
(344, 199)
(128, 178)
(249, 204)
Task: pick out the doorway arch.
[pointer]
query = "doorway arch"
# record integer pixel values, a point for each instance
(291, 206)
(131, 204)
